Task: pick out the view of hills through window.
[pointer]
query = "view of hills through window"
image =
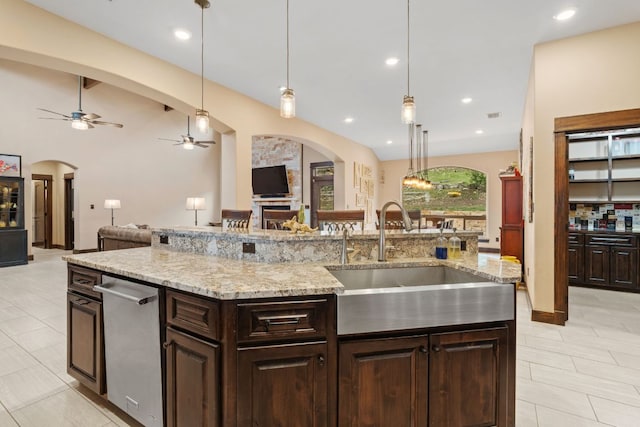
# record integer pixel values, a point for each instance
(457, 193)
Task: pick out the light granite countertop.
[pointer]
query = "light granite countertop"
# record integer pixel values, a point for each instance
(226, 279)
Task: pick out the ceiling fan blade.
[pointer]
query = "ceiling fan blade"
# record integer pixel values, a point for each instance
(90, 126)
(97, 122)
(172, 140)
(197, 144)
(90, 116)
(204, 142)
(179, 143)
(55, 118)
(54, 112)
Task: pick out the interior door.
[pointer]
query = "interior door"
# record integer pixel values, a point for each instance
(68, 212)
(42, 201)
(322, 192)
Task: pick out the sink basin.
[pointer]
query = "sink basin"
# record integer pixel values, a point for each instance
(376, 278)
(404, 298)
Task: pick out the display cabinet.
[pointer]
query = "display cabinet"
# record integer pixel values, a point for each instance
(13, 236)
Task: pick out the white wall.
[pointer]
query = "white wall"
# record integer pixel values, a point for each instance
(152, 178)
(591, 73)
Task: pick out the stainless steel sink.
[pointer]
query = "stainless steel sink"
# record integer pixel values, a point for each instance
(391, 299)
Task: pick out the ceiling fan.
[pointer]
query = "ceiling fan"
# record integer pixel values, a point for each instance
(188, 142)
(79, 119)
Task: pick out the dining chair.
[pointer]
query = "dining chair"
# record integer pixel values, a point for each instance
(272, 219)
(340, 220)
(236, 218)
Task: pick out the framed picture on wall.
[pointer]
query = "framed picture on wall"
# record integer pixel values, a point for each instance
(10, 165)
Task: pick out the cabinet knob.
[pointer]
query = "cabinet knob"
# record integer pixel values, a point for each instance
(321, 359)
(436, 348)
(423, 349)
(166, 345)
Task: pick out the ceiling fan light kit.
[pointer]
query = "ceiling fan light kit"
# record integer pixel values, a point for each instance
(187, 141)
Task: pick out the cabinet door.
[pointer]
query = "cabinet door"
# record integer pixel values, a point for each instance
(596, 265)
(468, 378)
(383, 382)
(511, 241)
(85, 342)
(283, 385)
(624, 267)
(192, 380)
(576, 264)
(512, 201)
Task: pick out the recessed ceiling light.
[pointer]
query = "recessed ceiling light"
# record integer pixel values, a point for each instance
(389, 142)
(479, 132)
(181, 34)
(565, 14)
(348, 119)
(392, 61)
(466, 100)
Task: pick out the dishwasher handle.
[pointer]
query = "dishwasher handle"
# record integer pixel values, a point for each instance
(138, 300)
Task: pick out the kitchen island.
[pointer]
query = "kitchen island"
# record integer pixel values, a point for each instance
(255, 343)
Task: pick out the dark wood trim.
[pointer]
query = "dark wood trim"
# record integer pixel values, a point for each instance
(556, 318)
(88, 83)
(563, 126)
(489, 250)
(69, 232)
(598, 121)
(84, 251)
(57, 247)
(48, 217)
(30, 257)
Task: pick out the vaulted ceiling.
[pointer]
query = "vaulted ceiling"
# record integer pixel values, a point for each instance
(458, 48)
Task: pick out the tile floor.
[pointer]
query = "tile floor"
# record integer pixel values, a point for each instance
(586, 373)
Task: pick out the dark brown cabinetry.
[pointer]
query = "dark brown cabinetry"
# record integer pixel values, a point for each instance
(576, 258)
(13, 236)
(512, 229)
(192, 353)
(442, 379)
(278, 384)
(468, 378)
(85, 339)
(610, 260)
(384, 382)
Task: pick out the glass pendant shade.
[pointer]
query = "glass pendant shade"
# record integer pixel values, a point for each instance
(408, 110)
(202, 120)
(79, 124)
(288, 104)
(188, 145)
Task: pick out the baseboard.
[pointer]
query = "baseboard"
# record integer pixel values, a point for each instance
(84, 251)
(57, 247)
(489, 250)
(30, 257)
(555, 318)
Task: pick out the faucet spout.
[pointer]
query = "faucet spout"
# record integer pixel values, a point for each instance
(408, 226)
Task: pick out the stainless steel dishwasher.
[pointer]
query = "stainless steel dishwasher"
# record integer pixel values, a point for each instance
(132, 348)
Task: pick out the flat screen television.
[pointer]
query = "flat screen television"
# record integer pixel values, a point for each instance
(270, 181)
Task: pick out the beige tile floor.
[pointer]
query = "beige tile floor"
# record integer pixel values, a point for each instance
(586, 373)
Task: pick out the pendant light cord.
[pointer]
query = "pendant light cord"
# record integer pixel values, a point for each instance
(202, 57)
(288, 44)
(408, 58)
(79, 93)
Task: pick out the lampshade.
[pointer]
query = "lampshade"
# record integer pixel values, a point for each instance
(112, 204)
(79, 124)
(202, 120)
(195, 203)
(288, 104)
(408, 110)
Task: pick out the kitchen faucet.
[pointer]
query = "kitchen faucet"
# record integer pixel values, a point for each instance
(344, 258)
(408, 226)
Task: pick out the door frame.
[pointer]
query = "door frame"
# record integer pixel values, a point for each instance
(562, 127)
(313, 193)
(48, 220)
(69, 232)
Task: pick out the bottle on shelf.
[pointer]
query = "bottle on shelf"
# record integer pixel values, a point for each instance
(455, 245)
(441, 246)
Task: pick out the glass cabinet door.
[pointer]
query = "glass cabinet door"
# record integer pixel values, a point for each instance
(11, 203)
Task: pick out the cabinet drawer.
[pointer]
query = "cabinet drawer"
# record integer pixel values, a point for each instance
(612, 240)
(194, 314)
(82, 280)
(282, 320)
(576, 239)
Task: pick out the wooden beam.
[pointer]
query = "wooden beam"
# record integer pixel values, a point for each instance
(167, 108)
(88, 83)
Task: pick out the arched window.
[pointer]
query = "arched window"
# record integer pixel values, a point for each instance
(458, 194)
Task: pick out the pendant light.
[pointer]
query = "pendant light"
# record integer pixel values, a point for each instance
(410, 178)
(425, 150)
(408, 105)
(288, 97)
(202, 115)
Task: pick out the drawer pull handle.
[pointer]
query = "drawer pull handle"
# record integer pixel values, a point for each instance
(609, 239)
(81, 301)
(82, 282)
(166, 345)
(281, 321)
(436, 348)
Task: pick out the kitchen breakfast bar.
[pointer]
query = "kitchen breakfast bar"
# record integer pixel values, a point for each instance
(269, 328)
